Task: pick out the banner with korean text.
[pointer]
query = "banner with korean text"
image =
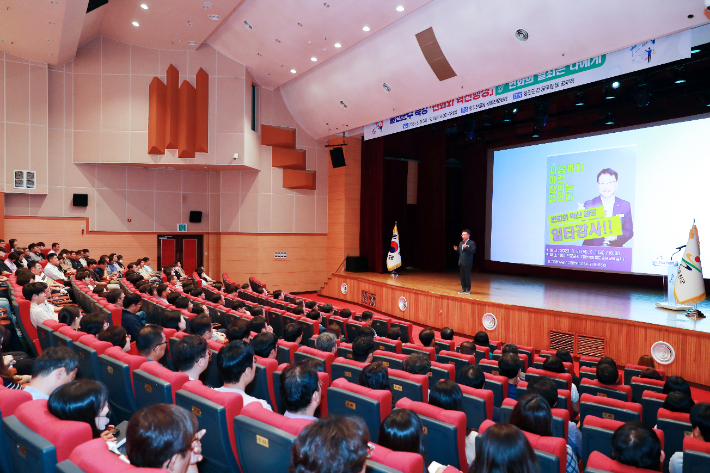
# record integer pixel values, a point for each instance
(641, 56)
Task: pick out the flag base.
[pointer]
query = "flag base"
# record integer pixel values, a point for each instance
(695, 313)
(679, 308)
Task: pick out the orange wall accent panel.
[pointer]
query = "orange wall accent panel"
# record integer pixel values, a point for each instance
(297, 179)
(288, 158)
(202, 108)
(186, 128)
(156, 117)
(172, 104)
(278, 136)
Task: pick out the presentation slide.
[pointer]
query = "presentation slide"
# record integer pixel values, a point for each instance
(609, 202)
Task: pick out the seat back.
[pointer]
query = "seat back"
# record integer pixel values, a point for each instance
(522, 356)
(45, 334)
(551, 451)
(696, 455)
(345, 350)
(499, 386)
(348, 369)
(597, 433)
(639, 385)
(600, 462)
(445, 345)
(262, 386)
(631, 371)
(391, 360)
(457, 359)
(412, 386)
(214, 411)
(94, 457)
(116, 374)
(381, 325)
(651, 402)
(310, 327)
(405, 330)
(349, 399)
(405, 462)
(561, 380)
(275, 319)
(385, 344)
(594, 387)
(587, 372)
(441, 372)
(564, 397)
(263, 438)
(608, 408)
(675, 426)
(477, 405)
(352, 329)
(63, 340)
(325, 359)
(588, 361)
(489, 366)
(444, 432)
(560, 418)
(155, 384)
(286, 351)
(88, 362)
(409, 348)
(10, 399)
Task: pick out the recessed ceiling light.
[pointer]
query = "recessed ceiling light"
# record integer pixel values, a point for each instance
(343, 104)
(214, 17)
(50, 40)
(144, 6)
(386, 87)
(694, 51)
(258, 54)
(192, 43)
(615, 84)
(293, 71)
(314, 59)
(135, 23)
(300, 24)
(247, 25)
(326, 5)
(400, 8)
(337, 45)
(52, 23)
(365, 28)
(278, 40)
(521, 35)
(190, 24)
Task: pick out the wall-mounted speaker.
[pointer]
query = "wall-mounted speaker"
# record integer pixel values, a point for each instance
(195, 216)
(337, 157)
(80, 200)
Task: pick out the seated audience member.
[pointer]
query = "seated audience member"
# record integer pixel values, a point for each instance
(647, 361)
(100, 270)
(393, 333)
(163, 290)
(471, 376)
(509, 366)
(9, 379)
(202, 275)
(258, 324)
(115, 297)
(172, 297)
(481, 339)
(70, 315)
(301, 390)
(345, 313)
(129, 316)
(198, 293)
(448, 395)
(256, 311)
(191, 356)
(504, 448)
(566, 357)
(315, 315)
(35, 292)
(116, 336)
(467, 348)
(367, 317)
(331, 445)
(93, 324)
(164, 436)
(201, 325)
(447, 333)
(676, 383)
(99, 290)
(83, 400)
(554, 363)
(335, 330)
(402, 431)
(635, 444)
(278, 294)
(700, 423)
(650, 373)
(426, 337)
(677, 401)
(546, 388)
(293, 333)
(200, 309)
(366, 331)
(326, 308)
(151, 342)
(183, 303)
(310, 305)
(52, 270)
(298, 311)
(264, 345)
(607, 360)
(327, 342)
(238, 330)
(532, 414)
(237, 365)
(173, 319)
(607, 374)
(363, 349)
(375, 376)
(417, 363)
(54, 367)
(177, 269)
(510, 348)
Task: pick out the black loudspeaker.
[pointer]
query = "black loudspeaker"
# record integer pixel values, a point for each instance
(337, 157)
(80, 200)
(356, 264)
(195, 216)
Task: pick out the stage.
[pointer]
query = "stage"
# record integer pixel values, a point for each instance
(620, 320)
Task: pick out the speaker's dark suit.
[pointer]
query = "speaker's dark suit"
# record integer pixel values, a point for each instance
(466, 262)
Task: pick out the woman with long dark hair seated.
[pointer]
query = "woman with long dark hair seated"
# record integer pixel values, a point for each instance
(83, 400)
(448, 395)
(504, 448)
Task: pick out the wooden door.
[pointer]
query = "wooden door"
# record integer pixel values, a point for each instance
(189, 255)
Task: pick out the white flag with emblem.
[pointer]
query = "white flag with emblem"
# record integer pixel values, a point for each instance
(689, 285)
(394, 259)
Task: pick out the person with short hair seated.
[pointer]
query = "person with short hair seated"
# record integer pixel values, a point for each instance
(471, 376)
(510, 348)
(555, 364)
(315, 315)
(504, 448)
(40, 309)
(333, 444)
(363, 349)
(375, 376)
(566, 357)
(201, 325)
(164, 436)
(467, 348)
(402, 431)
(130, 320)
(532, 414)
(191, 356)
(546, 388)
(481, 339)
(293, 333)
(258, 323)
(345, 313)
(677, 401)
(700, 423)
(335, 330)
(327, 342)
(447, 333)
(53, 368)
(635, 444)
(650, 373)
(264, 345)
(238, 330)
(607, 374)
(151, 342)
(71, 316)
(173, 319)
(93, 324)
(393, 333)
(301, 390)
(427, 336)
(417, 363)
(116, 336)
(367, 317)
(509, 366)
(448, 395)
(83, 400)
(237, 365)
(676, 383)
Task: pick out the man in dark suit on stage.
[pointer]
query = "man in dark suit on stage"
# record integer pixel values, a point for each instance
(466, 249)
(607, 180)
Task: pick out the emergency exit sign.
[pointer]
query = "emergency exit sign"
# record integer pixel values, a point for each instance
(182, 227)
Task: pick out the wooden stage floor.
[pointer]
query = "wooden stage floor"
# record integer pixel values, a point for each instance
(534, 311)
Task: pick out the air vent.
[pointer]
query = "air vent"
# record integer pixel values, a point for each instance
(590, 346)
(434, 55)
(562, 341)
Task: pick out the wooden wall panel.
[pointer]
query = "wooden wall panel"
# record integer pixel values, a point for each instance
(156, 117)
(172, 106)
(297, 179)
(278, 136)
(186, 126)
(626, 340)
(288, 158)
(202, 109)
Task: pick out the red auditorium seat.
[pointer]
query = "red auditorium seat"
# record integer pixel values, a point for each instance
(639, 385)
(380, 324)
(675, 426)
(406, 330)
(499, 386)
(438, 371)
(588, 372)
(446, 345)
(385, 344)
(311, 353)
(286, 351)
(564, 397)
(263, 385)
(71, 333)
(10, 399)
(696, 455)
(482, 353)
(405, 462)
(155, 384)
(117, 374)
(597, 433)
(588, 361)
(350, 399)
(412, 386)
(95, 457)
(489, 366)
(352, 329)
(600, 462)
(621, 392)
(409, 348)
(651, 402)
(635, 370)
(561, 380)
(539, 360)
(523, 358)
(346, 368)
(560, 418)
(444, 431)
(477, 405)
(457, 359)
(608, 408)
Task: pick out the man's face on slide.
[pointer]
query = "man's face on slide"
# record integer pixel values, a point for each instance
(607, 185)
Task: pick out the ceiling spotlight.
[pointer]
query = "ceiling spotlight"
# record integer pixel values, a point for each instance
(343, 104)
(610, 118)
(400, 8)
(192, 43)
(214, 17)
(293, 71)
(579, 99)
(536, 132)
(365, 28)
(386, 87)
(258, 54)
(609, 93)
(247, 25)
(300, 24)
(144, 6)
(327, 5)
(521, 35)
(337, 45)
(678, 76)
(314, 59)
(615, 84)
(515, 110)
(135, 23)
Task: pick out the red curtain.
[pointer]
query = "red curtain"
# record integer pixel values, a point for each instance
(371, 203)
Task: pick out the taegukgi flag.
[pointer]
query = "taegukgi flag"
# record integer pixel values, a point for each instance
(394, 259)
(689, 284)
